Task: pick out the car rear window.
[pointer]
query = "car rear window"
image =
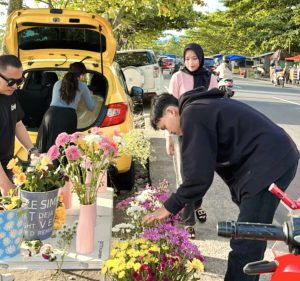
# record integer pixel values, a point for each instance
(134, 59)
(60, 37)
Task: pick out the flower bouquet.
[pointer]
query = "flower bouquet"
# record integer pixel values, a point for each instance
(38, 184)
(84, 157)
(155, 257)
(135, 144)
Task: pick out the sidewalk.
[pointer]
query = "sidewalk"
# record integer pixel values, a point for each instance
(217, 203)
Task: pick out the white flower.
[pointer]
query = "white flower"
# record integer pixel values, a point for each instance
(11, 249)
(2, 235)
(13, 233)
(10, 215)
(6, 241)
(92, 138)
(9, 225)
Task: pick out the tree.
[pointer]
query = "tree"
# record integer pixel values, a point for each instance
(131, 17)
(14, 5)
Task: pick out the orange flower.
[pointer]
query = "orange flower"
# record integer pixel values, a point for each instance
(20, 179)
(16, 170)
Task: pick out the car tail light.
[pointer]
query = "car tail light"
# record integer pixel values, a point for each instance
(116, 114)
(155, 71)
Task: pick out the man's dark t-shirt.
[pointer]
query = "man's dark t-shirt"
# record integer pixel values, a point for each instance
(10, 113)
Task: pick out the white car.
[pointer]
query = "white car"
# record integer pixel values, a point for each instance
(141, 69)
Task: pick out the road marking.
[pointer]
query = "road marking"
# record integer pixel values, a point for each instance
(286, 101)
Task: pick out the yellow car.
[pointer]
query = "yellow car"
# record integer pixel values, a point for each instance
(47, 41)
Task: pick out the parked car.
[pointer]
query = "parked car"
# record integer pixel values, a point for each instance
(209, 63)
(178, 63)
(166, 63)
(47, 41)
(141, 69)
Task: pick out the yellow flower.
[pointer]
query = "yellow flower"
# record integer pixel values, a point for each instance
(121, 274)
(194, 264)
(16, 170)
(12, 163)
(137, 266)
(198, 265)
(20, 179)
(45, 161)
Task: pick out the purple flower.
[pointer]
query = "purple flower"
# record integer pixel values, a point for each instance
(53, 152)
(72, 153)
(62, 139)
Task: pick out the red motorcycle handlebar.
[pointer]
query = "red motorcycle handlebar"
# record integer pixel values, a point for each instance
(293, 204)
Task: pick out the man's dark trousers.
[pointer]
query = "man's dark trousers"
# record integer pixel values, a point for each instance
(258, 209)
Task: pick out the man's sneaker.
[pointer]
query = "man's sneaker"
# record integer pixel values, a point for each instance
(191, 231)
(201, 215)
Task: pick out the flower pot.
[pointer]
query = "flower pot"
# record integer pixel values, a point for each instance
(11, 231)
(102, 182)
(40, 215)
(85, 229)
(66, 192)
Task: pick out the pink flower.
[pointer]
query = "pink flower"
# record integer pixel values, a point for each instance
(62, 139)
(116, 133)
(109, 148)
(72, 153)
(74, 137)
(53, 152)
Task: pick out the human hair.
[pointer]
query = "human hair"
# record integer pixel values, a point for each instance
(158, 106)
(69, 84)
(9, 60)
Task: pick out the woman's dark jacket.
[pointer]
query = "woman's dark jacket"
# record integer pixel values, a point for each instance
(242, 145)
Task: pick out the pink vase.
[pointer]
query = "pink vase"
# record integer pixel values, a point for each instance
(85, 229)
(66, 191)
(102, 182)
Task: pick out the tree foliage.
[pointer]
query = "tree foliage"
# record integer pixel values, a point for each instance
(131, 18)
(250, 27)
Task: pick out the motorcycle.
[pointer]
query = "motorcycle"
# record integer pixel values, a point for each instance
(278, 79)
(285, 267)
(226, 85)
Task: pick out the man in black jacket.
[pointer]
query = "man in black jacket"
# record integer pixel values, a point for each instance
(243, 146)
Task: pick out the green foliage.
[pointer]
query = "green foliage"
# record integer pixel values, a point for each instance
(131, 17)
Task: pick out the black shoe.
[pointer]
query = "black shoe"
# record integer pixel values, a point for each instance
(191, 231)
(201, 215)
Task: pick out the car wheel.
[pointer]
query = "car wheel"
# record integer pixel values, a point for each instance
(124, 181)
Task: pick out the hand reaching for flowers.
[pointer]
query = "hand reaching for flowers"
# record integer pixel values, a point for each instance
(159, 214)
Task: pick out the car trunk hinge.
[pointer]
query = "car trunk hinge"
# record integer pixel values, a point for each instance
(101, 54)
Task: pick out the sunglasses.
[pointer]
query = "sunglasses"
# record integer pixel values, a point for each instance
(11, 82)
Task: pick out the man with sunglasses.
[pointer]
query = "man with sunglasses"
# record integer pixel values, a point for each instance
(11, 114)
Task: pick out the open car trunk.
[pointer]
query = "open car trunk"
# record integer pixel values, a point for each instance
(36, 94)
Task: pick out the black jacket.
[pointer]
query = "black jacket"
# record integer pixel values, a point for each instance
(242, 145)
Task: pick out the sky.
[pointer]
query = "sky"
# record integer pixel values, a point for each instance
(211, 6)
